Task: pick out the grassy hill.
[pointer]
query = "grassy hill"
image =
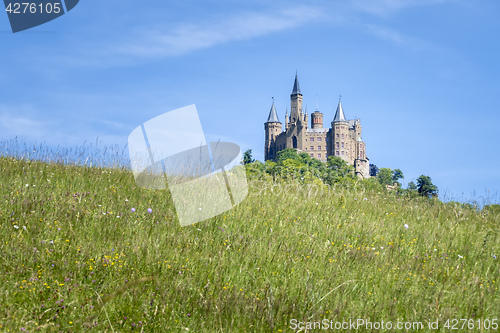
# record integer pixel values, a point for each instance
(79, 250)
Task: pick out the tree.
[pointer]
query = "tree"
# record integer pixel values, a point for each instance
(425, 187)
(373, 170)
(287, 154)
(412, 186)
(385, 176)
(247, 157)
(397, 175)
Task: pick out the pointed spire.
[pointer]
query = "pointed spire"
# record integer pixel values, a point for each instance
(273, 116)
(339, 114)
(296, 87)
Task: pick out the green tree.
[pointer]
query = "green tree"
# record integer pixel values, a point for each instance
(385, 176)
(286, 154)
(397, 174)
(412, 186)
(247, 157)
(425, 187)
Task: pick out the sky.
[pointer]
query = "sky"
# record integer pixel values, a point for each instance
(423, 76)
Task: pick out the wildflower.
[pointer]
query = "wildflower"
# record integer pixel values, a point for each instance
(133, 210)
(494, 256)
(16, 226)
(460, 256)
(406, 226)
(150, 210)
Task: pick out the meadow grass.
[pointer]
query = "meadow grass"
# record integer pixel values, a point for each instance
(76, 257)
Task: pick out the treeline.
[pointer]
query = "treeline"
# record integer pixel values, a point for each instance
(290, 165)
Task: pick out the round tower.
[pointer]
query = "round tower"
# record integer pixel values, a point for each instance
(273, 129)
(316, 120)
(340, 135)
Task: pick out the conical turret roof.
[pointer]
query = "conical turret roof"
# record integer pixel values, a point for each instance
(339, 114)
(296, 87)
(273, 116)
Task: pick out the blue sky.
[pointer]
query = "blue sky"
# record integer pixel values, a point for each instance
(422, 75)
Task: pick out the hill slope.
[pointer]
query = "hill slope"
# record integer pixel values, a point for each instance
(75, 255)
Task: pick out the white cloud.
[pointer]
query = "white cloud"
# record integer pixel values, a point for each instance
(187, 38)
(396, 37)
(18, 121)
(385, 7)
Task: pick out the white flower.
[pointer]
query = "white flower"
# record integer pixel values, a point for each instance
(373, 248)
(27, 185)
(406, 226)
(460, 256)
(435, 249)
(198, 229)
(16, 226)
(382, 247)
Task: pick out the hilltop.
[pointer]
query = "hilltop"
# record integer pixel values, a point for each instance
(80, 249)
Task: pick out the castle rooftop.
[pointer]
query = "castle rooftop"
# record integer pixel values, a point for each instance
(273, 116)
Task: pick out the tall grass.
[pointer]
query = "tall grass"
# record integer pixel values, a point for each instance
(80, 251)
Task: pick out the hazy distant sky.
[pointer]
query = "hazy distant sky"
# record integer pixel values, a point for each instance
(422, 75)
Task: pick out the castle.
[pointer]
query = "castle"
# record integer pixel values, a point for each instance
(342, 139)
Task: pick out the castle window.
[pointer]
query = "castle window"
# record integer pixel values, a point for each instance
(312, 147)
(312, 155)
(306, 148)
(337, 153)
(294, 139)
(337, 145)
(342, 145)
(337, 134)
(342, 135)
(319, 147)
(319, 155)
(342, 152)
(319, 139)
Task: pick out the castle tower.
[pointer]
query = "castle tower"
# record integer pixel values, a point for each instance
(296, 102)
(273, 129)
(316, 118)
(340, 135)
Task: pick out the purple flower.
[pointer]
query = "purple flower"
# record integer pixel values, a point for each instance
(150, 210)
(494, 256)
(133, 210)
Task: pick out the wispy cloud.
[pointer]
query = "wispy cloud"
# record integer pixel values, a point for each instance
(186, 38)
(20, 121)
(396, 37)
(385, 7)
